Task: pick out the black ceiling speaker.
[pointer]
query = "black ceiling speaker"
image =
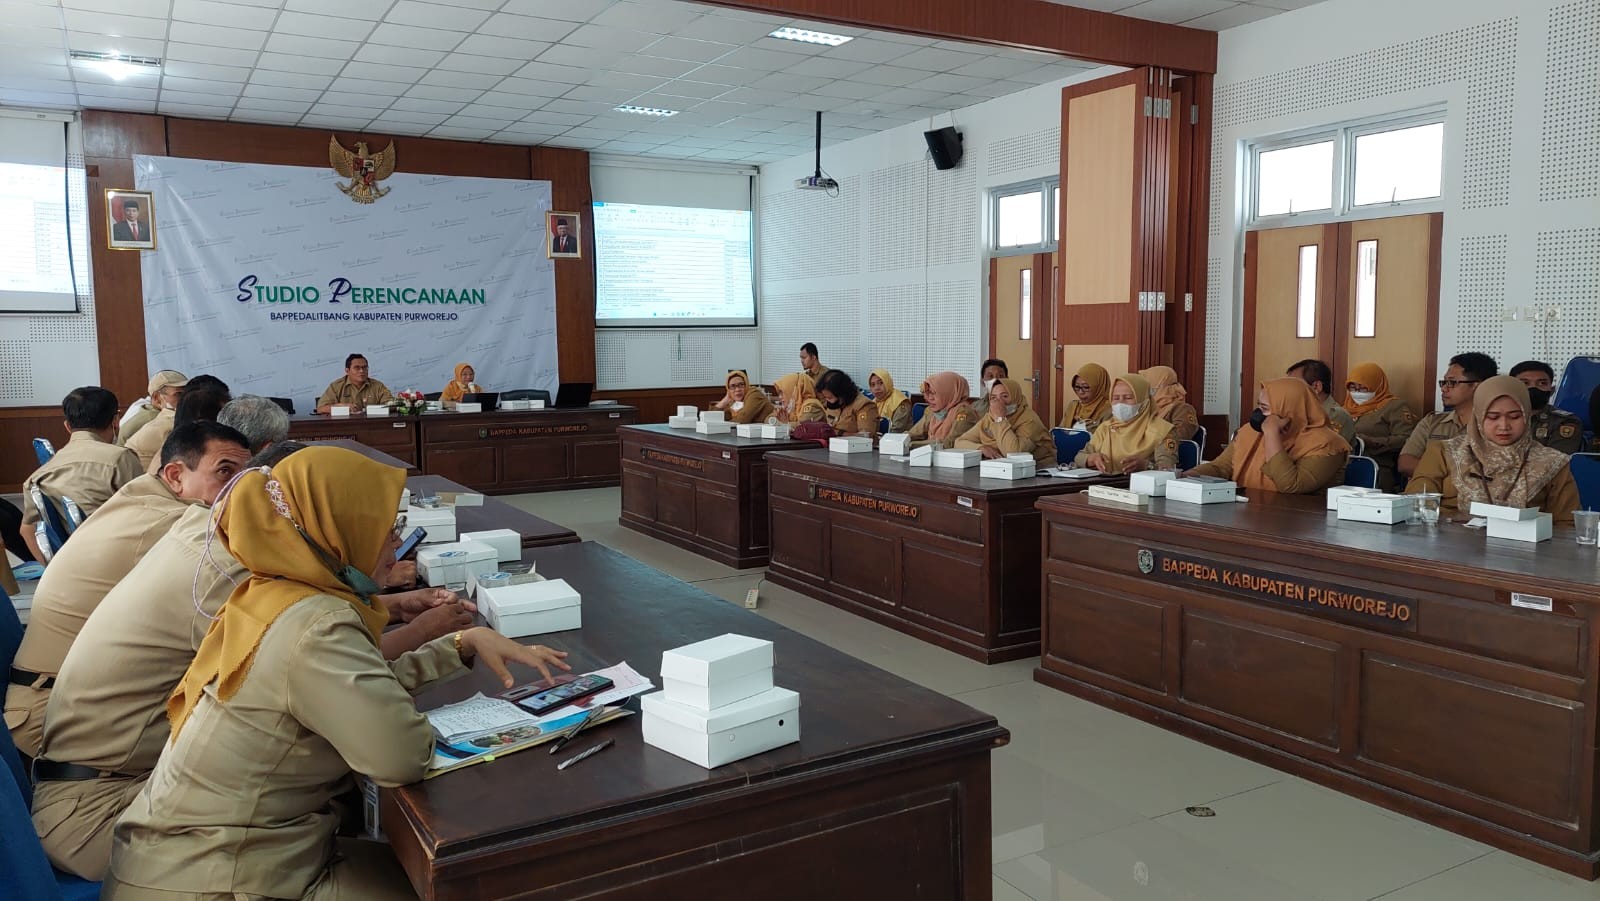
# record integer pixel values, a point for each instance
(945, 145)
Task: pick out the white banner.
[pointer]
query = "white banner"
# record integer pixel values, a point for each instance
(267, 276)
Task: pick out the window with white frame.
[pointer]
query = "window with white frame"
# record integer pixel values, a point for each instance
(1024, 216)
(1350, 171)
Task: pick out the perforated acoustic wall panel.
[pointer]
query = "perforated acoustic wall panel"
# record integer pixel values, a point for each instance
(1567, 274)
(952, 228)
(830, 319)
(953, 312)
(1480, 295)
(804, 233)
(1569, 165)
(673, 358)
(897, 216)
(896, 330)
(1216, 325)
(1024, 154)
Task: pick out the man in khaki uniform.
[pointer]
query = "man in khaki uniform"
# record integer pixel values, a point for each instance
(356, 389)
(1317, 374)
(88, 469)
(200, 458)
(1552, 427)
(1461, 380)
(165, 388)
(810, 365)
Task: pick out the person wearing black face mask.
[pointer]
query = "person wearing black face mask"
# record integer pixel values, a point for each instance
(1554, 428)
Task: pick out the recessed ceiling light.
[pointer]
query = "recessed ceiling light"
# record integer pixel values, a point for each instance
(809, 37)
(646, 111)
(118, 65)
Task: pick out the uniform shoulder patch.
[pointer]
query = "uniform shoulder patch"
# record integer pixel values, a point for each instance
(1569, 429)
(1408, 416)
(1170, 444)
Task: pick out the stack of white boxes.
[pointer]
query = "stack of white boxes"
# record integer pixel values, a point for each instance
(718, 704)
(685, 419)
(456, 565)
(713, 422)
(1515, 523)
(439, 521)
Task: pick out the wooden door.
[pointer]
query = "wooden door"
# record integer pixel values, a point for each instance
(1289, 312)
(1019, 316)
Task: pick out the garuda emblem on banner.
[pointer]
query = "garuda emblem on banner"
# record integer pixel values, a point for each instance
(364, 169)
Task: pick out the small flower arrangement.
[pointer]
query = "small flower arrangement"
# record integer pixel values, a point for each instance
(410, 403)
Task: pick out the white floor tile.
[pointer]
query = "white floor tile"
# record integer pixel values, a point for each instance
(1498, 876)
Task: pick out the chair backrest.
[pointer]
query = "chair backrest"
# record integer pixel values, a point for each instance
(1578, 382)
(284, 404)
(1358, 447)
(75, 515)
(1068, 443)
(917, 409)
(1586, 472)
(43, 449)
(1361, 472)
(1188, 454)
(1200, 439)
(54, 525)
(527, 394)
(883, 425)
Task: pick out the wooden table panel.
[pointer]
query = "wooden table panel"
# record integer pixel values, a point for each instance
(393, 435)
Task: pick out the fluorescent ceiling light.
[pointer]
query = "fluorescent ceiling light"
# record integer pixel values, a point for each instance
(118, 65)
(809, 37)
(646, 111)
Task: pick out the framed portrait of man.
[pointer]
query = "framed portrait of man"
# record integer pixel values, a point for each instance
(563, 233)
(130, 220)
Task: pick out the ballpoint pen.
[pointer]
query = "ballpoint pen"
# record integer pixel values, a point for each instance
(575, 729)
(585, 754)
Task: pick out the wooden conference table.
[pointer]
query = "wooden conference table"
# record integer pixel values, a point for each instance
(885, 796)
(705, 493)
(942, 554)
(1448, 676)
(501, 452)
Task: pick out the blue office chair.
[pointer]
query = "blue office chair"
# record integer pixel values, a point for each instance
(917, 409)
(1361, 472)
(1068, 443)
(44, 450)
(53, 527)
(1578, 382)
(1586, 472)
(28, 874)
(10, 640)
(1188, 454)
(1358, 447)
(883, 425)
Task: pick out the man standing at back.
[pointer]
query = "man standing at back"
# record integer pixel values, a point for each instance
(89, 468)
(1317, 374)
(356, 389)
(164, 389)
(1461, 380)
(810, 365)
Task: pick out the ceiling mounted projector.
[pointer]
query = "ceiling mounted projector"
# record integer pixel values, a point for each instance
(817, 181)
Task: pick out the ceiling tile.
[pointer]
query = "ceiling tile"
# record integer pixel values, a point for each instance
(934, 59)
(687, 49)
(997, 88)
(432, 15)
(103, 23)
(393, 35)
(195, 98)
(369, 88)
(576, 107)
(518, 101)
(728, 75)
(201, 86)
(1286, 4)
(1232, 17)
(390, 117)
(100, 43)
(906, 97)
(653, 16)
(373, 102)
(724, 29)
(996, 67)
(37, 15)
(755, 58)
(570, 10)
(309, 46)
(282, 106)
(473, 4)
(621, 80)
(419, 105)
(482, 65)
(122, 91)
(192, 110)
(38, 98)
(154, 9)
(527, 27)
(450, 133)
(586, 58)
(287, 62)
(532, 87)
(216, 36)
(380, 72)
(42, 56)
(335, 123)
(323, 26)
(183, 69)
(828, 68)
(265, 117)
(432, 92)
(552, 72)
(371, 10)
(228, 15)
(127, 106)
(522, 132)
(891, 76)
(551, 117)
(948, 83)
(501, 48)
(851, 90)
(608, 96)
(398, 56)
(606, 37)
(447, 79)
(788, 81)
(273, 92)
(696, 89)
(492, 124)
(1175, 10)
(341, 111)
(496, 111)
(663, 68)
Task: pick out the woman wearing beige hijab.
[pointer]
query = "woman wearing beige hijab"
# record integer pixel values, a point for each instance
(1286, 446)
(797, 399)
(1497, 461)
(743, 402)
(1171, 402)
(1134, 438)
(1010, 428)
(950, 413)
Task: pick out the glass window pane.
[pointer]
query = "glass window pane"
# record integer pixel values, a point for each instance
(1306, 307)
(1366, 289)
(1021, 220)
(1404, 164)
(1025, 308)
(1057, 191)
(1294, 179)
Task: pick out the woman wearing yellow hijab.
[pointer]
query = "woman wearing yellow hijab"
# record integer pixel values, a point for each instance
(1171, 401)
(797, 399)
(1010, 428)
(949, 414)
(1134, 438)
(1497, 461)
(892, 404)
(1286, 446)
(288, 695)
(461, 384)
(1383, 421)
(1092, 385)
(742, 401)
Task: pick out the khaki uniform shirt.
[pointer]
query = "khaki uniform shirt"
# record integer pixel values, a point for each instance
(901, 420)
(1308, 475)
(340, 391)
(1435, 473)
(1342, 421)
(818, 373)
(1552, 427)
(1029, 436)
(1185, 421)
(1441, 426)
(134, 423)
(859, 418)
(147, 441)
(85, 469)
(241, 799)
(103, 550)
(965, 418)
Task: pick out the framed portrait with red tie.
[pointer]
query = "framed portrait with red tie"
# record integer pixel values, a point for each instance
(130, 220)
(563, 235)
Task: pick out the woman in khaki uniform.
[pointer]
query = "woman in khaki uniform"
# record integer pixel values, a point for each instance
(1383, 422)
(797, 399)
(893, 405)
(1010, 428)
(742, 401)
(1286, 446)
(1092, 385)
(949, 414)
(1134, 438)
(1172, 401)
(850, 412)
(1498, 461)
(287, 695)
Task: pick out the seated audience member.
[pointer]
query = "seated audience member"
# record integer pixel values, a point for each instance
(1172, 402)
(11, 532)
(742, 401)
(288, 696)
(1134, 438)
(1383, 422)
(1319, 377)
(1286, 446)
(848, 410)
(461, 384)
(1465, 373)
(992, 371)
(106, 721)
(164, 390)
(198, 459)
(262, 422)
(949, 414)
(356, 388)
(797, 400)
(147, 441)
(1010, 428)
(89, 468)
(810, 365)
(1551, 426)
(1497, 461)
(1092, 385)
(197, 404)
(893, 405)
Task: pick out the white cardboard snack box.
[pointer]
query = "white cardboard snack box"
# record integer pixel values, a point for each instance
(1510, 514)
(339, 410)
(464, 407)
(1007, 468)
(718, 671)
(507, 543)
(896, 444)
(377, 409)
(713, 416)
(456, 565)
(853, 444)
(923, 456)
(1539, 528)
(1383, 509)
(713, 427)
(775, 430)
(682, 422)
(748, 429)
(1342, 491)
(516, 405)
(439, 521)
(1193, 491)
(1150, 482)
(957, 459)
(742, 729)
(532, 608)
(688, 410)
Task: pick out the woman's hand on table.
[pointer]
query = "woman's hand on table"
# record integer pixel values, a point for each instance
(496, 650)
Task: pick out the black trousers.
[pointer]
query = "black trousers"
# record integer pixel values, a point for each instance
(11, 530)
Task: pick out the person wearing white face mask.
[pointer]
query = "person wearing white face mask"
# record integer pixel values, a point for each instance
(1383, 422)
(1011, 427)
(992, 371)
(1135, 438)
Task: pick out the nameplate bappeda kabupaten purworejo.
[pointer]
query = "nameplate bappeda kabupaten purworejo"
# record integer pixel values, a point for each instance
(865, 502)
(1385, 611)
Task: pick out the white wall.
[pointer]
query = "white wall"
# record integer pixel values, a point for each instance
(893, 272)
(1522, 154)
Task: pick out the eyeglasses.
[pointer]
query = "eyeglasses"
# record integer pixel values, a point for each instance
(1451, 383)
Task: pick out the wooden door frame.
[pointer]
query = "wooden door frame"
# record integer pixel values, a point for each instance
(1042, 311)
(1329, 323)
